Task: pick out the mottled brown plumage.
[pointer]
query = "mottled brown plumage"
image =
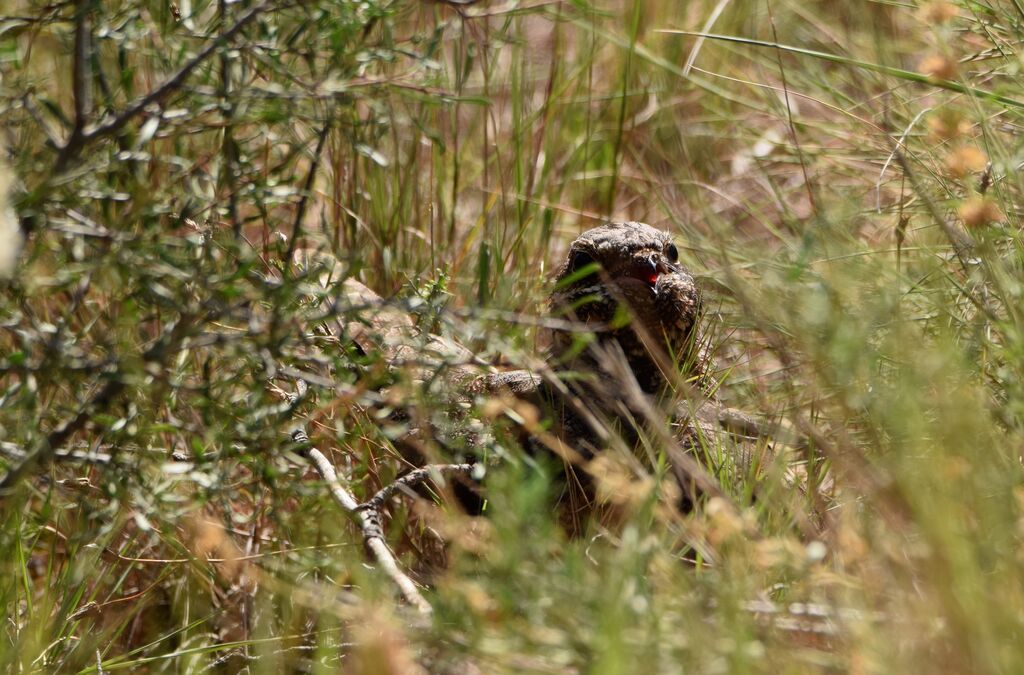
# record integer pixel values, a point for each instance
(630, 320)
(629, 316)
(629, 335)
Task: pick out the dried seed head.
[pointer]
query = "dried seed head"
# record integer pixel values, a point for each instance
(938, 67)
(966, 160)
(946, 124)
(938, 12)
(979, 212)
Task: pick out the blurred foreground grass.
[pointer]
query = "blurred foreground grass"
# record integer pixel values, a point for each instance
(853, 220)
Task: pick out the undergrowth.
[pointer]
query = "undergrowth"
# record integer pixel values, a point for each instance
(195, 179)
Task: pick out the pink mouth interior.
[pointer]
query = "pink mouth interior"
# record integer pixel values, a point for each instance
(647, 273)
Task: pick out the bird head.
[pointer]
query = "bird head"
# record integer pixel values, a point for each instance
(622, 282)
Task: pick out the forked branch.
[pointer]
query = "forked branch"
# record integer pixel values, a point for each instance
(368, 515)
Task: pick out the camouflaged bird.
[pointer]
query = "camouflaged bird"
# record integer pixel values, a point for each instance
(625, 336)
(629, 334)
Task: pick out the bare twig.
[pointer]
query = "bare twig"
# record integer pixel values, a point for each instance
(963, 243)
(369, 520)
(457, 3)
(414, 478)
(300, 212)
(77, 143)
(693, 478)
(229, 146)
(900, 143)
(33, 111)
(746, 425)
(95, 456)
(81, 81)
(800, 617)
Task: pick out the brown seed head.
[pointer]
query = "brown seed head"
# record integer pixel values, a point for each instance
(938, 12)
(979, 212)
(938, 67)
(966, 160)
(946, 124)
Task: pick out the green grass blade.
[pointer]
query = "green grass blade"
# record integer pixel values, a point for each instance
(900, 73)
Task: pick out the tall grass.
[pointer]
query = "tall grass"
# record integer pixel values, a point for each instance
(843, 178)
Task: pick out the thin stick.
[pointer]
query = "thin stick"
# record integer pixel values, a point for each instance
(81, 81)
(369, 522)
(43, 452)
(77, 142)
(414, 478)
(307, 189)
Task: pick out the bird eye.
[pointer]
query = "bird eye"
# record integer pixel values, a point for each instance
(579, 260)
(672, 253)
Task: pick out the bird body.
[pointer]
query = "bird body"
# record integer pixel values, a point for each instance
(628, 336)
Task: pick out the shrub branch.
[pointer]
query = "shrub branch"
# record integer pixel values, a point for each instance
(369, 516)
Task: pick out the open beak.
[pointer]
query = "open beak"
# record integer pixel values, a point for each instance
(654, 266)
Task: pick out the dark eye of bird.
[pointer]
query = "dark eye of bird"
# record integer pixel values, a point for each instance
(579, 260)
(672, 253)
